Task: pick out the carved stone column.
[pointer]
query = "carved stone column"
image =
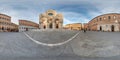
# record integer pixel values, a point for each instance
(61, 24)
(53, 23)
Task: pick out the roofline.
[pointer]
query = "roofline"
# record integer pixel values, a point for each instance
(5, 15)
(103, 15)
(74, 23)
(27, 21)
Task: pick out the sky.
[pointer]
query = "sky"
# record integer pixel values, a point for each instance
(74, 11)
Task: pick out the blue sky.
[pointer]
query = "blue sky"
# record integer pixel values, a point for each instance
(74, 11)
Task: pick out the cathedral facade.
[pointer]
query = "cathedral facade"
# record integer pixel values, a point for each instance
(51, 20)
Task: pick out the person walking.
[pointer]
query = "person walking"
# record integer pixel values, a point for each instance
(84, 30)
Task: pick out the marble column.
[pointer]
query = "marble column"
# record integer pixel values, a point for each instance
(54, 26)
(47, 26)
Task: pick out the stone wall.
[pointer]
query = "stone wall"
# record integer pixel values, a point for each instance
(105, 19)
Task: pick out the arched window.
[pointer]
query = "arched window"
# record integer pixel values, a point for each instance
(104, 18)
(109, 17)
(114, 17)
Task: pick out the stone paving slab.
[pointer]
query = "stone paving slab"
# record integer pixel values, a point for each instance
(94, 46)
(16, 46)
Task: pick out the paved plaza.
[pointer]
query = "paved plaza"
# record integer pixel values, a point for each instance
(84, 46)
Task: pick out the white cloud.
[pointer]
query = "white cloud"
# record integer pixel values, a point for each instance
(29, 14)
(35, 7)
(66, 21)
(73, 17)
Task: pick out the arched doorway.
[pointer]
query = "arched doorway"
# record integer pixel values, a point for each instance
(50, 26)
(57, 26)
(44, 27)
(26, 29)
(2, 28)
(100, 28)
(112, 28)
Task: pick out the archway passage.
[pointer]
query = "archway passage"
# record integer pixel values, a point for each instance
(50, 26)
(26, 29)
(44, 27)
(57, 26)
(100, 28)
(112, 28)
(2, 28)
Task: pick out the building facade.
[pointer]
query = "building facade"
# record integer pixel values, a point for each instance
(6, 25)
(74, 26)
(25, 25)
(105, 22)
(51, 20)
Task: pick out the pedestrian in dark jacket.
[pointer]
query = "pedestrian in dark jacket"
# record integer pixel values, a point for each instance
(84, 30)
